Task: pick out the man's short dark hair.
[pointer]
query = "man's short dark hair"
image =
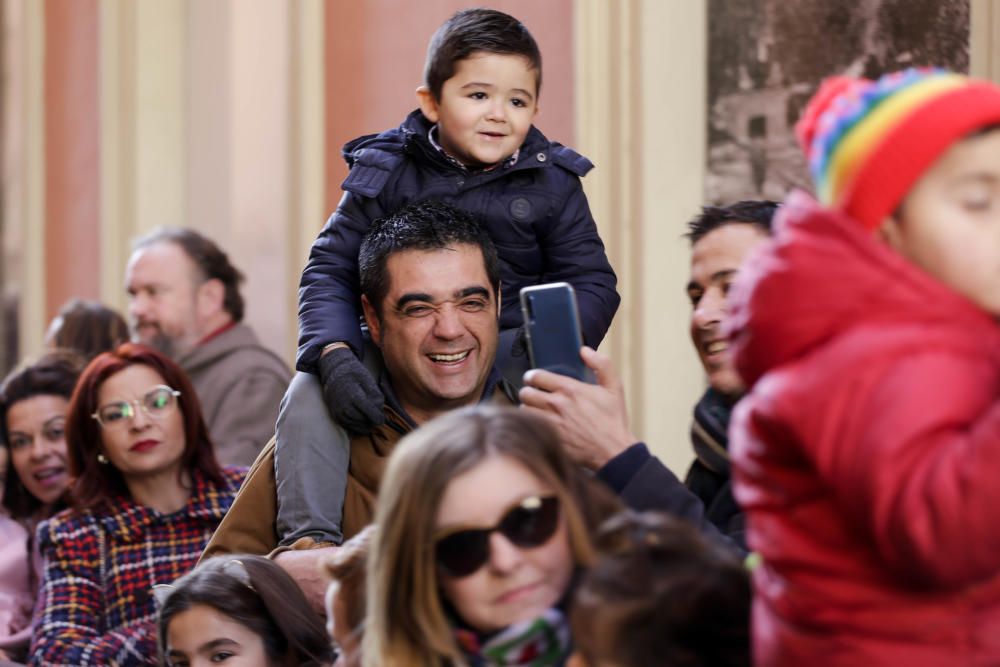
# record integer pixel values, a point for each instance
(747, 212)
(477, 30)
(210, 259)
(427, 225)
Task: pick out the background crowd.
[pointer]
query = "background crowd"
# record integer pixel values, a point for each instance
(437, 502)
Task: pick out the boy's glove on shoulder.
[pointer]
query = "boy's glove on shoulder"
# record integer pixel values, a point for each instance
(351, 393)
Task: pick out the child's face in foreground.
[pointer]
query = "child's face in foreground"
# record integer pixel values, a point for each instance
(949, 223)
(486, 107)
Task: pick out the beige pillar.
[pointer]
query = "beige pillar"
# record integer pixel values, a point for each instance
(24, 165)
(142, 128)
(212, 118)
(641, 115)
(984, 50)
(307, 206)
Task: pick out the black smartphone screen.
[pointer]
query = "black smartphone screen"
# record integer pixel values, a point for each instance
(552, 324)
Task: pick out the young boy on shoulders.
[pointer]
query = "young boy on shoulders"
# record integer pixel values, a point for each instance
(867, 451)
(471, 143)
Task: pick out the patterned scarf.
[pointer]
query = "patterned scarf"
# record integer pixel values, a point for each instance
(541, 642)
(709, 431)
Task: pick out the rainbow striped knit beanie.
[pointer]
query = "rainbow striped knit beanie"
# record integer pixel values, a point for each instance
(868, 142)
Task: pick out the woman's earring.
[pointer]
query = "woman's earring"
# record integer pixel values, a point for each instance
(102, 459)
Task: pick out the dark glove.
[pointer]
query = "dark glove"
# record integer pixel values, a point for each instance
(351, 392)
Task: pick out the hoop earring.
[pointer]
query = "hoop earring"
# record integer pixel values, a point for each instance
(102, 459)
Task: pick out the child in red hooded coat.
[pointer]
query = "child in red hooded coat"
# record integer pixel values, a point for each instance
(867, 453)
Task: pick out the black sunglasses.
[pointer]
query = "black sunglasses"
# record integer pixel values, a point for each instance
(530, 523)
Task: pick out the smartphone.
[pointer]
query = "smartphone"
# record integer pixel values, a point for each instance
(552, 325)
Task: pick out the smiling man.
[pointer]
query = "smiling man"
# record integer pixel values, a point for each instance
(436, 326)
(721, 239)
(430, 286)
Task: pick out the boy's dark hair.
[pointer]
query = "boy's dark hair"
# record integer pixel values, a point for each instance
(747, 212)
(662, 594)
(259, 595)
(427, 225)
(210, 259)
(55, 374)
(478, 30)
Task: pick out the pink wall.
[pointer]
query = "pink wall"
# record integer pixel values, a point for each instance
(374, 65)
(72, 171)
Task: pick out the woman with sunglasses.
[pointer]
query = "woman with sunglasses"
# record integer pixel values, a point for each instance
(33, 405)
(147, 495)
(241, 610)
(483, 524)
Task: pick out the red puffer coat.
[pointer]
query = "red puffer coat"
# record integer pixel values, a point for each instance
(867, 453)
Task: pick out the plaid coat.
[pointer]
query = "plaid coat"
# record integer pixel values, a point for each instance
(95, 605)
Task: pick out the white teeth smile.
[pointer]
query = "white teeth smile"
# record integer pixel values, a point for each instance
(449, 357)
(716, 346)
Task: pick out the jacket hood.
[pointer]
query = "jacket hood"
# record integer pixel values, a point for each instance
(821, 275)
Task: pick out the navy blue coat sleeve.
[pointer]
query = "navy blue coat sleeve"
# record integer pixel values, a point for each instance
(329, 292)
(574, 253)
(645, 484)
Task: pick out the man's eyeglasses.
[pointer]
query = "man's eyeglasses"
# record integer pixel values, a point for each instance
(156, 403)
(530, 523)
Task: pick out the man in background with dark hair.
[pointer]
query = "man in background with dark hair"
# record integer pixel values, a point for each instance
(592, 418)
(184, 300)
(721, 238)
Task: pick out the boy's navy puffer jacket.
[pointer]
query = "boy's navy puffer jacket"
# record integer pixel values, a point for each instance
(534, 210)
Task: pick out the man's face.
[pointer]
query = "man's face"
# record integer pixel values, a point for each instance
(163, 298)
(715, 259)
(438, 329)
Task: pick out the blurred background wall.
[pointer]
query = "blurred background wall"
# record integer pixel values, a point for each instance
(228, 116)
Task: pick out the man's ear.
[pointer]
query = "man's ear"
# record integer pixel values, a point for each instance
(890, 233)
(428, 105)
(499, 300)
(371, 319)
(211, 297)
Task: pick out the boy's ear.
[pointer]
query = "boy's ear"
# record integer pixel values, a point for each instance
(371, 318)
(890, 233)
(428, 105)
